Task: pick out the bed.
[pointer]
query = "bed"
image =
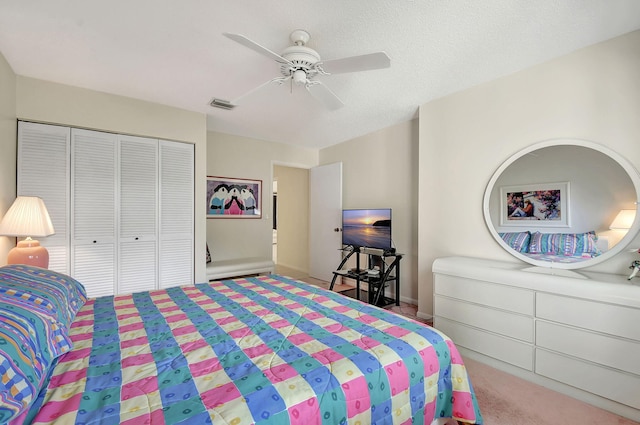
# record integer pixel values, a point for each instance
(263, 350)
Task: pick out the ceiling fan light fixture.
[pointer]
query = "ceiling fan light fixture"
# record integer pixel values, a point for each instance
(299, 77)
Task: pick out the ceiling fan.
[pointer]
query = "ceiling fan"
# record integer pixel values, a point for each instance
(300, 64)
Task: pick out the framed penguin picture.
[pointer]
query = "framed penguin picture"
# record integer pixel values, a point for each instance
(229, 197)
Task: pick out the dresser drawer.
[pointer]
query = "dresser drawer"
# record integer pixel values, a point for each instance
(609, 383)
(508, 350)
(490, 294)
(607, 318)
(621, 354)
(496, 321)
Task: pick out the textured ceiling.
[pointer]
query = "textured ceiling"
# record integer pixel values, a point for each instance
(173, 52)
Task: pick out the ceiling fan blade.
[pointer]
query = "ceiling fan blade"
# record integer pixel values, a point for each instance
(366, 62)
(322, 93)
(279, 80)
(239, 38)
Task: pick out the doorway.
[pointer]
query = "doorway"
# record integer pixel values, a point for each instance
(296, 245)
(275, 221)
(291, 217)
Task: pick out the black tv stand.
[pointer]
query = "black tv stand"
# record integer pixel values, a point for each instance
(386, 274)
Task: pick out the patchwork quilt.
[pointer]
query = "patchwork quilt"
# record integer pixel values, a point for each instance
(263, 350)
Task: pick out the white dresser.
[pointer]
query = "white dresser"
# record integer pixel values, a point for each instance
(573, 331)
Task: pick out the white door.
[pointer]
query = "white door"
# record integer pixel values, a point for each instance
(176, 214)
(43, 170)
(325, 220)
(138, 226)
(93, 214)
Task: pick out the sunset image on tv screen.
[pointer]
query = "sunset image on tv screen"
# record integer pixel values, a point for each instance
(367, 228)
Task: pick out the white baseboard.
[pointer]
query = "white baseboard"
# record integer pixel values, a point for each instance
(424, 316)
(408, 300)
(295, 269)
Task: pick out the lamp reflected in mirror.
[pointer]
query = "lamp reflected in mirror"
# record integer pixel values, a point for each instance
(27, 217)
(623, 220)
(621, 225)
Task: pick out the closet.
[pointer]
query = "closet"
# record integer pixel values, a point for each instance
(122, 206)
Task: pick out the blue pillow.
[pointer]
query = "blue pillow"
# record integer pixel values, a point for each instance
(545, 243)
(565, 244)
(55, 294)
(517, 240)
(580, 244)
(37, 307)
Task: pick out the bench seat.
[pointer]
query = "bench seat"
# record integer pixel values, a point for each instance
(238, 267)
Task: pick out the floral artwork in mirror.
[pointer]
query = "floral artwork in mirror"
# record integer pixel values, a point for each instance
(602, 183)
(536, 205)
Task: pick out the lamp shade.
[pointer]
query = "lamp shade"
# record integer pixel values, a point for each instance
(28, 216)
(623, 220)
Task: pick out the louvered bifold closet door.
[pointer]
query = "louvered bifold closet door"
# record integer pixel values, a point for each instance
(93, 215)
(138, 214)
(43, 170)
(176, 213)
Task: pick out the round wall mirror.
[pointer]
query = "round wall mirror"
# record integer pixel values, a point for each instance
(561, 204)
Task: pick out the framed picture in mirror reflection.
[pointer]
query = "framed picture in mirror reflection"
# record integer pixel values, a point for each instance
(535, 205)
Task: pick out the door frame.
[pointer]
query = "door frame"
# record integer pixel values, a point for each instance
(308, 168)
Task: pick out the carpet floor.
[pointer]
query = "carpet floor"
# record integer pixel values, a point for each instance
(505, 399)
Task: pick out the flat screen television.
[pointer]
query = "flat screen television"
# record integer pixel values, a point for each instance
(367, 228)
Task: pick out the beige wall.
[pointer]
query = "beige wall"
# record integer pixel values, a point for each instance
(48, 102)
(380, 170)
(241, 157)
(592, 94)
(431, 171)
(7, 148)
(293, 217)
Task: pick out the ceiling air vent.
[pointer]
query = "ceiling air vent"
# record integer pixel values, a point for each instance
(222, 104)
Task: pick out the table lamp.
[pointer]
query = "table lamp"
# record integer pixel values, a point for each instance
(28, 216)
(623, 220)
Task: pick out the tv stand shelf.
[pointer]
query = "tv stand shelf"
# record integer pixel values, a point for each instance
(388, 274)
